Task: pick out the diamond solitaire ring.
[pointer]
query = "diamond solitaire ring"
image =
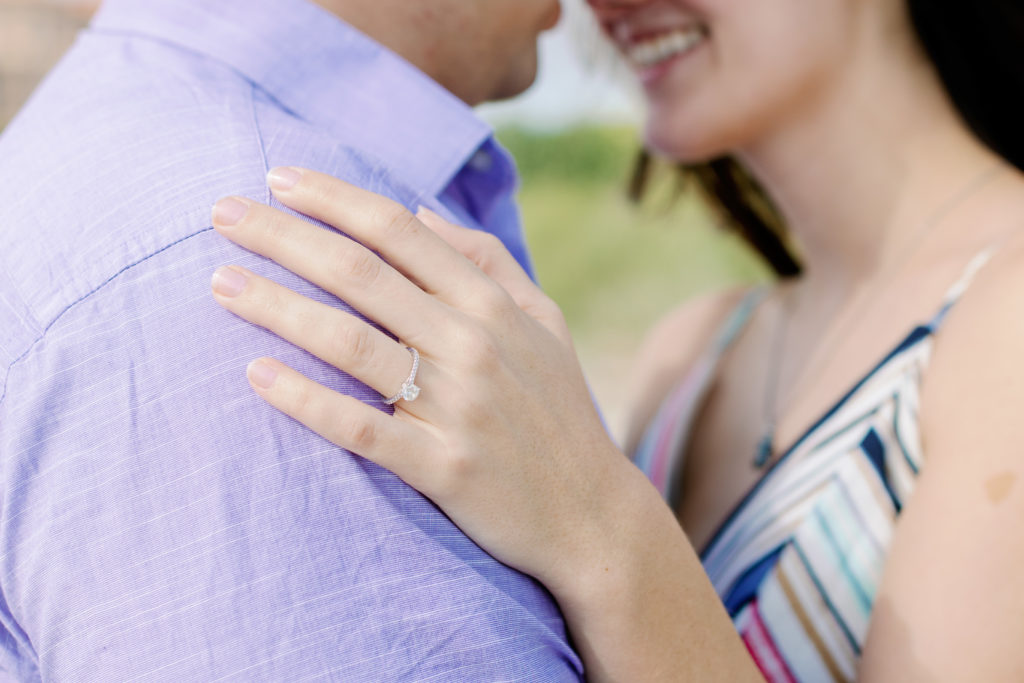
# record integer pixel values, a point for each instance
(409, 390)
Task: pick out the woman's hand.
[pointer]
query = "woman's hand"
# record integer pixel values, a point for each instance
(504, 436)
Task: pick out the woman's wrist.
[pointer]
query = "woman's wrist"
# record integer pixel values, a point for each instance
(611, 593)
(637, 601)
(612, 550)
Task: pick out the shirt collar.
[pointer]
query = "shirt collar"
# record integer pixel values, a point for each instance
(325, 72)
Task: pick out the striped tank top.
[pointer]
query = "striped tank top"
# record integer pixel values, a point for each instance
(798, 561)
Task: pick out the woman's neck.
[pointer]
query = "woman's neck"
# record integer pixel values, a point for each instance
(866, 171)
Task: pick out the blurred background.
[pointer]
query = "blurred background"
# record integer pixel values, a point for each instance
(613, 266)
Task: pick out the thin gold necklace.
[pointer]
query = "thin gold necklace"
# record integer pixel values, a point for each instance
(771, 403)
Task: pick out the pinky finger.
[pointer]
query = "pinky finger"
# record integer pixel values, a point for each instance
(487, 253)
(394, 444)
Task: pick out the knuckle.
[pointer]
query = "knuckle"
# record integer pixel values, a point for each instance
(359, 265)
(461, 466)
(489, 243)
(482, 248)
(546, 307)
(302, 401)
(498, 303)
(453, 473)
(354, 343)
(482, 350)
(359, 435)
(396, 222)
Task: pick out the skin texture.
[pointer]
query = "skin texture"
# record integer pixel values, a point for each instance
(480, 50)
(803, 108)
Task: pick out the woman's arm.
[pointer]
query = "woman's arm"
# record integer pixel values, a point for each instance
(505, 436)
(951, 603)
(642, 609)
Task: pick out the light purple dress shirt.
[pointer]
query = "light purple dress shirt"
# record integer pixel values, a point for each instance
(159, 521)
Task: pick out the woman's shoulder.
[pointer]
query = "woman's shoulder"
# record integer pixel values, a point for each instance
(974, 386)
(965, 512)
(673, 345)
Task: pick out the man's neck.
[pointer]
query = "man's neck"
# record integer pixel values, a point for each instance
(398, 25)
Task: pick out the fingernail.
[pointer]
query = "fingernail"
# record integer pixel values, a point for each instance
(283, 178)
(229, 211)
(261, 374)
(229, 282)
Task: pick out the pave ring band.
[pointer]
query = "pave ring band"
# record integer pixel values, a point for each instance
(409, 390)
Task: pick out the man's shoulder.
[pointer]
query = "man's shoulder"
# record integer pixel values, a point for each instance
(113, 159)
(205, 506)
(121, 153)
(129, 434)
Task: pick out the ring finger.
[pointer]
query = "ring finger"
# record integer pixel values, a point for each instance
(341, 339)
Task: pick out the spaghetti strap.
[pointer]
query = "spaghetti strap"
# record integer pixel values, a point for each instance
(963, 283)
(738, 319)
(661, 450)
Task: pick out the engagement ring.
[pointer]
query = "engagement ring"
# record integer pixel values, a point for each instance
(409, 390)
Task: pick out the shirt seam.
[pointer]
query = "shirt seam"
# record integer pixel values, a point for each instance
(261, 148)
(20, 298)
(260, 143)
(81, 299)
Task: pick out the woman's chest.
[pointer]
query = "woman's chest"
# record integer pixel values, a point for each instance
(799, 551)
(719, 468)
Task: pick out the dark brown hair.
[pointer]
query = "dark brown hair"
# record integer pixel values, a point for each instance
(976, 48)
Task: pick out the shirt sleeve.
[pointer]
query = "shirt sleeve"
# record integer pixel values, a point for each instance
(161, 522)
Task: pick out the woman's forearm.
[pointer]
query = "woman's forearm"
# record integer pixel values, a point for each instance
(641, 608)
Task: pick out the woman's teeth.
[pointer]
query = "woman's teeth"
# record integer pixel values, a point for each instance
(649, 52)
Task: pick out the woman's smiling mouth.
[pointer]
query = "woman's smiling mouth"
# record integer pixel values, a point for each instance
(653, 50)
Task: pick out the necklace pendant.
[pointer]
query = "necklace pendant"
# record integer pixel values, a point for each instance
(764, 450)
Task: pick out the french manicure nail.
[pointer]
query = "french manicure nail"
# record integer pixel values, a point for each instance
(229, 282)
(261, 374)
(283, 178)
(229, 211)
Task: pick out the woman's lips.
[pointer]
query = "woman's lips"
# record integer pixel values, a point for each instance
(653, 55)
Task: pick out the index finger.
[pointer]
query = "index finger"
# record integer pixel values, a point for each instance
(387, 227)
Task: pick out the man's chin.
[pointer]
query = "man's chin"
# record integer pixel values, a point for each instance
(516, 83)
(554, 16)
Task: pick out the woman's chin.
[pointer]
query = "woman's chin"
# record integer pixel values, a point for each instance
(683, 149)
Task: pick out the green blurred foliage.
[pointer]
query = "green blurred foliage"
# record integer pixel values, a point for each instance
(585, 156)
(613, 266)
